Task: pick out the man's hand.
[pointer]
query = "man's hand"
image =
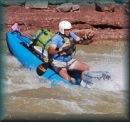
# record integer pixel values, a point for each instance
(84, 38)
(90, 35)
(62, 53)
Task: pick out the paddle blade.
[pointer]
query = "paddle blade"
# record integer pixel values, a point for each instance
(41, 69)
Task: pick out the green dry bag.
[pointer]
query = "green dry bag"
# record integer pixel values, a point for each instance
(42, 38)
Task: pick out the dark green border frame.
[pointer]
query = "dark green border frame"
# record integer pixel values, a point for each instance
(2, 64)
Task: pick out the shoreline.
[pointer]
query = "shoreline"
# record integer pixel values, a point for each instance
(108, 42)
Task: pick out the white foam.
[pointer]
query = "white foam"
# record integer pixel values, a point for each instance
(19, 78)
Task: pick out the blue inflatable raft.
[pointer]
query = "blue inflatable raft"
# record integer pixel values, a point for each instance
(18, 46)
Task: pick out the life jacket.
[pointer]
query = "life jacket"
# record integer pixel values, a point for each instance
(68, 46)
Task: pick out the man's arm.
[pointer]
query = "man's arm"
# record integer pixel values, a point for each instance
(77, 38)
(80, 39)
(52, 49)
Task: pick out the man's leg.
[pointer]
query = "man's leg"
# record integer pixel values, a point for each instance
(60, 67)
(63, 73)
(81, 67)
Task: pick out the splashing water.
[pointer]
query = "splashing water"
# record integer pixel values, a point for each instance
(29, 93)
(20, 78)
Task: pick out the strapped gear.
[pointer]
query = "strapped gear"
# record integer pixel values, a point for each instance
(64, 25)
(42, 39)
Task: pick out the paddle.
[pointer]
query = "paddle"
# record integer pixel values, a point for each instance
(41, 69)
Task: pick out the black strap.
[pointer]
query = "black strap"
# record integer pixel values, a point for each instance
(45, 46)
(61, 35)
(37, 38)
(71, 63)
(20, 36)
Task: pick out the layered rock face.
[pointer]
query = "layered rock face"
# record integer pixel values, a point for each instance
(102, 22)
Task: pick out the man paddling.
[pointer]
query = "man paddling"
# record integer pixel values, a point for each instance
(62, 47)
